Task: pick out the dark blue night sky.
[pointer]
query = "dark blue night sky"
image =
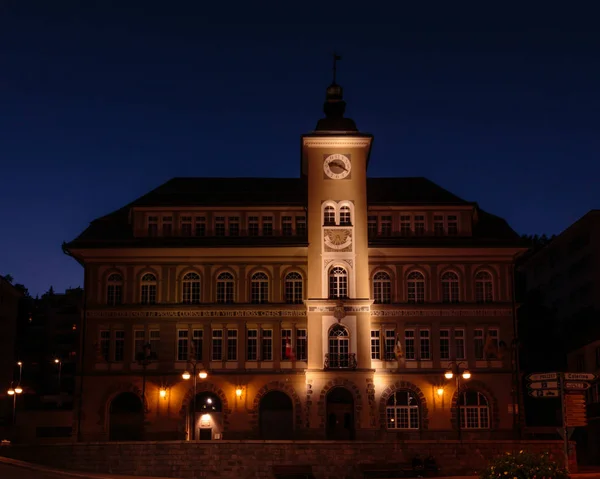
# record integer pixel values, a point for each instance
(101, 101)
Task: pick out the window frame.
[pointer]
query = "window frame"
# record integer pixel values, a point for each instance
(411, 412)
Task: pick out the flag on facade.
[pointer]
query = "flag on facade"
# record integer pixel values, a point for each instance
(192, 351)
(288, 350)
(398, 348)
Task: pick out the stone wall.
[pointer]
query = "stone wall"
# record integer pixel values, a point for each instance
(255, 459)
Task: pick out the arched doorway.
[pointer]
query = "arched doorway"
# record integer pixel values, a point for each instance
(126, 418)
(276, 416)
(208, 423)
(340, 414)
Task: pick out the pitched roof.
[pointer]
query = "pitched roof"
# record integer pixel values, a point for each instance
(114, 229)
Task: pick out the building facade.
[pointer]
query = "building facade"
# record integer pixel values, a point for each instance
(324, 306)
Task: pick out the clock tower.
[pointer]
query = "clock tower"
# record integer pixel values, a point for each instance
(334, 163)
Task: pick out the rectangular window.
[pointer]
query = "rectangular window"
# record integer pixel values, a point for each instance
(478, 343)
(286, 226)
(438, 225)
(409, 344)
(232, 339)
(105, 344)
(234, 226)
(452, 225)
(267, 226)
(154, 342)
(167, 226)
(372, 226)
(267, 345)
(139, 339)
(425, 352)
(459, 344)
(301, 345)
(219, 226)
(375, 344)
(217, 345)
(386, 226)
(492, 344)
(252, 349)
(405, 225)
(197, 340)
(444, 344)
(114, 294)
(200, 226)
(152, 226)
(252, 225)
(119, 345)
(286, 344)
(300, 225)
(419, 225)
(182, 345)
(390, 344)
(186, 226)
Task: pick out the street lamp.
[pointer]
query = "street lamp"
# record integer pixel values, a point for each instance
(455, 371)
(58, 362)
(14, 393)
(20, 364)
(186, 375)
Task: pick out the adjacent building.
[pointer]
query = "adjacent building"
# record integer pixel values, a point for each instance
(324, 306)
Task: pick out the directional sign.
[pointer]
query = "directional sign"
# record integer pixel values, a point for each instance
(579, 377)
(579, 386)
(542, 376)
(544, 393)
(543, 385)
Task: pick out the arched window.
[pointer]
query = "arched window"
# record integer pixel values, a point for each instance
(338, 283)
(148, 295)
(114, 289)
(191, 288)
(415, 284)
(225, 284)
(329, 216)
(382, 288)
(339, 347)
(345, 218)
(293, 288)
(259, 288)
(483, 287)
(450, 287)
(402, 410)
(475, 410)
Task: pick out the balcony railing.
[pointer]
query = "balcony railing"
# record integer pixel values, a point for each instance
(340, 361)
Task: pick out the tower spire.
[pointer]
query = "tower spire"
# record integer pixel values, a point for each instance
(336, 58)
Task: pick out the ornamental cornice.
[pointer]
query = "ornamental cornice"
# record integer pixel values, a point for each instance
(449, 313)
(197, 313)
(339, 141)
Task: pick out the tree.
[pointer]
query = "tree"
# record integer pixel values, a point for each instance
(9, 278)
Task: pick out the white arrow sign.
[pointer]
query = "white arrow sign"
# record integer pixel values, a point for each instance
(544, 393)
(580, 386)
(579, 377)
(544, 385)
(542, 376)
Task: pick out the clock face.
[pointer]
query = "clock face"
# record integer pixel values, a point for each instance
(337, 166)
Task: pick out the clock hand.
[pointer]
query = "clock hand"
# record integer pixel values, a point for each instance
(340, 165)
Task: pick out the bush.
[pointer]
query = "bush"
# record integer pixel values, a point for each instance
(524, 465)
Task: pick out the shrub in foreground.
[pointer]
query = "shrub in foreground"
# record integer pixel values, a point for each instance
(524, 465)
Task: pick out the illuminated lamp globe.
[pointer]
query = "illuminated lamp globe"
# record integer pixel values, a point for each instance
(238, 392)
(466, 375)
(448, 374)
(18, 389)
(163, 392)
(203, 374)
(440, 391)
(11, 392)
(186, 375)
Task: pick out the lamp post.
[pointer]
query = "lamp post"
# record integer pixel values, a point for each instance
(455, 371)
(14, 393)
(195, 374)
(20, 364)
(58, 362)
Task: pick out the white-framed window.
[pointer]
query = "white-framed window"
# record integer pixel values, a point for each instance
(492, 344)
(197, 344)
(167, 226)
(415, 285)
(300, 225)
(252, 345)
(114, 289)
(372, 226)
(475, 410)
(154, 342)
(182, 345)
(253, 226)
(287, 226)
(105, 344)
(402, 410)
(191, 288)
(405, 225)
(200, 226)
(225, 288)
(267, 226)
(438, 225)
(217, 345)
(452, 225)
(345, 216)
(382, 288)
(338, 282)
(139, 340)
(459, 344)
(478, 344)
(484, 287)
(386, 225)
(148, 289)
(375, 344)
(234, 225)
(293, 288)
(232, 341)
(425, 344)
(329, 216)
(219, 226)
(450, 287)
(409, 344)
(390, 345)
(339, 347)
(119, 336)
(152, 226)
(259, 284)
(286, 345)
(444, 344)
(419, 225)
(301, 345)
(267, 345)
(185, 225)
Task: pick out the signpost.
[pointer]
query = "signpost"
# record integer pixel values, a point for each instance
(570, 387)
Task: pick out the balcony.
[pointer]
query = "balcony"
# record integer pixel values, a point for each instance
(340, 361)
